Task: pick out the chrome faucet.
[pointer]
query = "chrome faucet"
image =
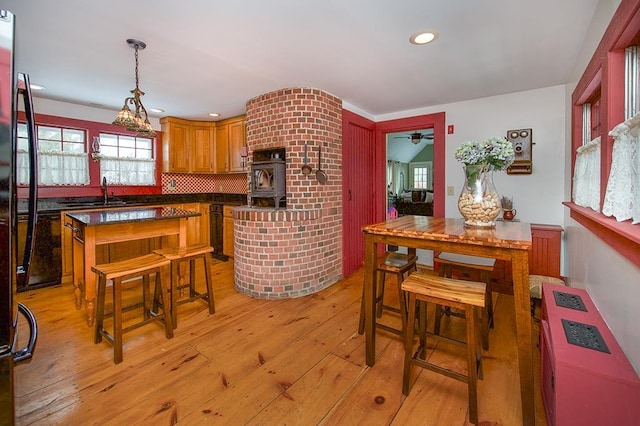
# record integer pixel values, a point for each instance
(104, 190)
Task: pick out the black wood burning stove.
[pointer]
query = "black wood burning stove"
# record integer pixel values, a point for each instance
(268, 172)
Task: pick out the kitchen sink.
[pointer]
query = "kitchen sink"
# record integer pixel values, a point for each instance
(88, 205)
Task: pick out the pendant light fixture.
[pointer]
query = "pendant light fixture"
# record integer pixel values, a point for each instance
(135, 122)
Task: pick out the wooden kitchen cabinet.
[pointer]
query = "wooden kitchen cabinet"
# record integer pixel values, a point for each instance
(228, 235)
(230, 139)
(187, 146)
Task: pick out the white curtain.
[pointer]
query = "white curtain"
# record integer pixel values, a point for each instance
(622, 198)
(395, 177)
(128, 171)
(586, 177)
(55, 168)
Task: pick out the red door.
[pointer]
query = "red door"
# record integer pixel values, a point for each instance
(358, 184)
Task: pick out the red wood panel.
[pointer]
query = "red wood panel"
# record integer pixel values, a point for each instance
(358, 195)
(544, 257)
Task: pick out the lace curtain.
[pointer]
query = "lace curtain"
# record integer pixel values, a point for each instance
(622, 198)
(128, 171)
(586, 177)
(55, 168)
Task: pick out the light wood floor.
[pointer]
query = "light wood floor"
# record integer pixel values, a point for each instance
(257, 362)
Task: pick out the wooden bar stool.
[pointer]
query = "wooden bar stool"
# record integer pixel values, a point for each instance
(468, 296)
(398, 264)
(190, 254)
(467, 264)
(142, 266)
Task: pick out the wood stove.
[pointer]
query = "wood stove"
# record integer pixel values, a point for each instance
(268, 171)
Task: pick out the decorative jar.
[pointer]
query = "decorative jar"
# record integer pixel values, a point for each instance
(479, 202)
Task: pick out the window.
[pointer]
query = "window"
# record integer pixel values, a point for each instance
(421, 175)
(127, 160)
(608, 91)
(62, 157)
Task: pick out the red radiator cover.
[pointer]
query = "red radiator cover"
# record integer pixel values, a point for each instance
(583, 386)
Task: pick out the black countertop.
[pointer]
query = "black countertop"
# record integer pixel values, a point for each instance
(56, 205)
(115, 215)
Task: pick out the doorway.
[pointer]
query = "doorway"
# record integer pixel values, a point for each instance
(410, 173)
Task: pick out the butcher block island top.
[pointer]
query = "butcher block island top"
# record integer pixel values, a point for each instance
(111, 215)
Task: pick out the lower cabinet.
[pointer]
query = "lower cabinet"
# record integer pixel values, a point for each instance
(228, 237)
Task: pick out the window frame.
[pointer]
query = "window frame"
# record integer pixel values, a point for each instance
(604, 79)
(94, 128)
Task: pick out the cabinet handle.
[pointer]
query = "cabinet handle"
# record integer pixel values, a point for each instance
(70, 226)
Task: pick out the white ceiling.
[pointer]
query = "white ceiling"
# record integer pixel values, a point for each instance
(210, 55)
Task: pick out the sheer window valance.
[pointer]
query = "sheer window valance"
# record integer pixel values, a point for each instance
(55, 168)
(128, 171)
(586, 177)
(622, 197)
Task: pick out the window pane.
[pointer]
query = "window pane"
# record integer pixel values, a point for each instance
(108, 140)
(127, 142)
(51, 133)
(73, 135)
(110, 151)
(45, 145)
(22, 130)
(143, 153)
(127, 152)
(74, 147)
(144, 143)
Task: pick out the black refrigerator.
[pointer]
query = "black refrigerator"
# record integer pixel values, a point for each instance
(14, 266)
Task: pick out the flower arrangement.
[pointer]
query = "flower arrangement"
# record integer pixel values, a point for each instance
(495, 152)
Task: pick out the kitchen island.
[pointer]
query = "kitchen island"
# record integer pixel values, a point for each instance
(97, 227)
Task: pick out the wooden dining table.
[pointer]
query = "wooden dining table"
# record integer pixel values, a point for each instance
(509, 241)
(92, 228)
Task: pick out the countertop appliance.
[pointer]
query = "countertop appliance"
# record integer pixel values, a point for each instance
(13, 269)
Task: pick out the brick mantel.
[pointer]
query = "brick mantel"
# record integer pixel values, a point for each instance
(297, 250)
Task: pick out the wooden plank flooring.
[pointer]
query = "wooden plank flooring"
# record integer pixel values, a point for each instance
(254, 362)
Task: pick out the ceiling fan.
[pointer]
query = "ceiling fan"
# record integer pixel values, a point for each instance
(416, 137)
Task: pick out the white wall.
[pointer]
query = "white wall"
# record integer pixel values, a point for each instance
(612, 280)
(537, 196)
(80, 112)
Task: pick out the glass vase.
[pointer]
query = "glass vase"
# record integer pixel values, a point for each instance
(479, 202)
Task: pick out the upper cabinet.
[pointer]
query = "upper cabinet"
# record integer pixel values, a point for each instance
(230, 139)
(203, 147)
(187, 146)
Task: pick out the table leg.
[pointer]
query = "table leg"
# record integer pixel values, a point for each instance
(89, 276)
(78, 279)
(369, 308)
(521, 298)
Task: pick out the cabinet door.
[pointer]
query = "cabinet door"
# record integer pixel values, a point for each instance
(222, 149)
(227, 240)
(176, 145)
(236, 142)
(202, 148)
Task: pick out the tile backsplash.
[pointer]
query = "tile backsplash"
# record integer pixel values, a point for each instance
(195, 183)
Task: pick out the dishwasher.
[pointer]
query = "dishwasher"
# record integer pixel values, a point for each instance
(46, 262)
(216, 216)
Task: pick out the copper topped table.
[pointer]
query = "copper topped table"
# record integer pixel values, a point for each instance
(508, 241)
(95, 227)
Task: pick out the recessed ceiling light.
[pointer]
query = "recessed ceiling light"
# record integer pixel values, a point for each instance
(214, 114)
(423, 37)
(34, 86)
(156, 110)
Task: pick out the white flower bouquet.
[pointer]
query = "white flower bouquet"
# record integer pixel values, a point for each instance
(495, 152)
